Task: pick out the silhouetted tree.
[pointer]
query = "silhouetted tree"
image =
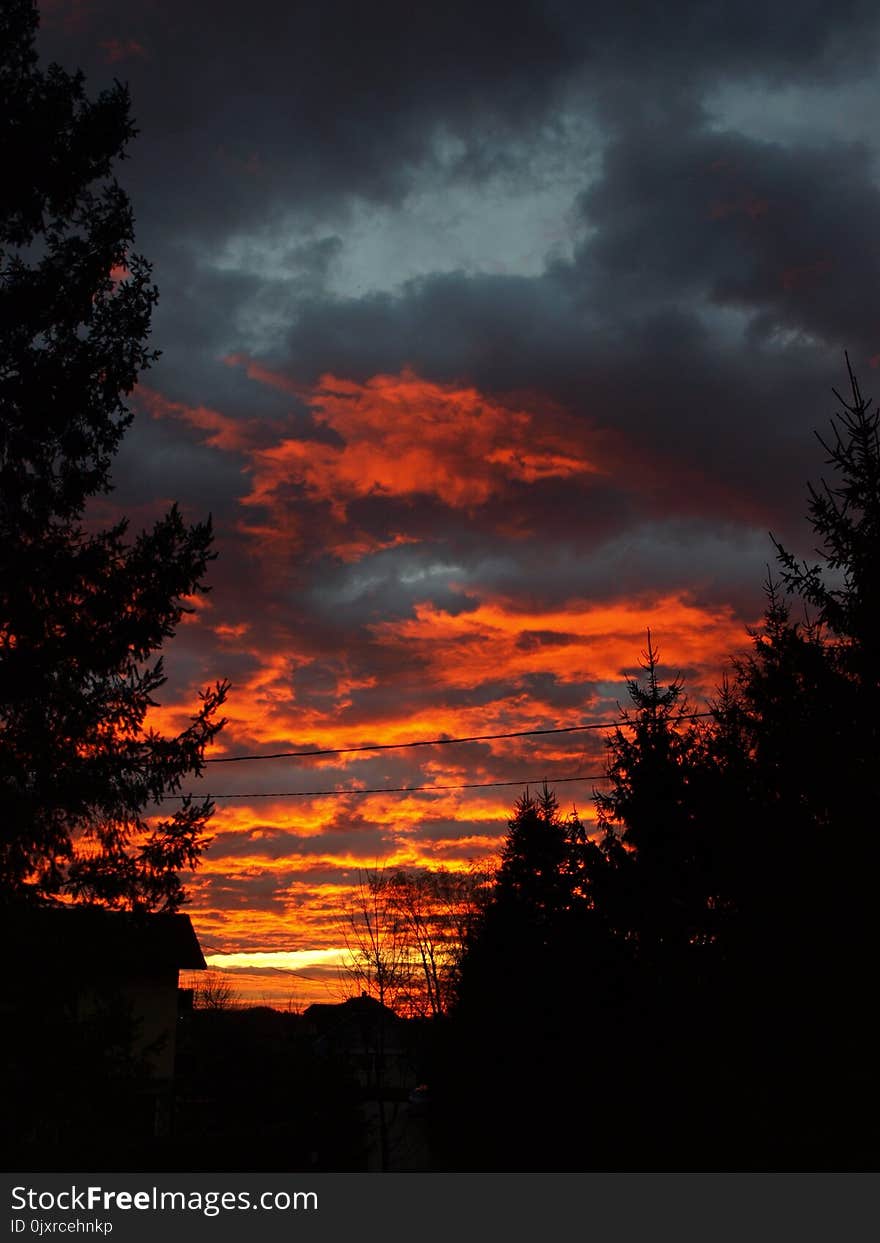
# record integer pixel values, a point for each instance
(214, 991)
(808, 933)
(379, 959)
(82, 611)
(716, 942)
(654, 890)
(845, 516)
(535, 872)
(435, 911)
(509, 1076)
(531, 903)
(841, 695)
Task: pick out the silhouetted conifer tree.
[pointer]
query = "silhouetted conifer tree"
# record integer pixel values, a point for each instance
(512, 1074)
(808, 931)
(723, 922)
(845, 515)
(526, 921)
(655, 892)
(82, 611)
(535, 872)
(649, 877)
(842, 692)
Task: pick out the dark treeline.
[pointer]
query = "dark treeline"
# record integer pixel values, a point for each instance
(692, 987)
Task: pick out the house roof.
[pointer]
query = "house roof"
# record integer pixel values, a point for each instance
(363, 1008)
(67, 935)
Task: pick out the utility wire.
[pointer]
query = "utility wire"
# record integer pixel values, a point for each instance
(468, 785)
(422, 742)
(432, 742)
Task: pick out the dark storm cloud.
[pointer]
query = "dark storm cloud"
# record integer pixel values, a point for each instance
(165, 461)
(301, 105)
(786, 233)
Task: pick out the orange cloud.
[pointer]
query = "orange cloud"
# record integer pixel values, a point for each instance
(402, 439)
(224, 432)
(313, 818)
(397, 437)
(406, 437)
(265, 375)
(263, 711)
(237, 631)
(585, 641)
(496, 641)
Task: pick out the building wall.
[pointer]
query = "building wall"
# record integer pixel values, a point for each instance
(153, 1001)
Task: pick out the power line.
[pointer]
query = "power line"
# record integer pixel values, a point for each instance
(468, 785)
(432, 742)
(422, 742)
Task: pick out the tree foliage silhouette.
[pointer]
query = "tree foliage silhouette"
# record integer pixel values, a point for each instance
(717, 940)
(83, 611)
(525, 920)
(845, 516)
(842, 591)
(653, 890)
(807, 698)
(526, 989)
(535, 873)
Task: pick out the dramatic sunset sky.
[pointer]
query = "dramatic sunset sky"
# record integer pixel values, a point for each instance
(491, 335)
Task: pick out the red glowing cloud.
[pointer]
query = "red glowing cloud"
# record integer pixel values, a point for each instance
(394, 438)
(582, 641)
(403, 437)
(222, 431)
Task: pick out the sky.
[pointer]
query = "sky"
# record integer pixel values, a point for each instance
(492, 336)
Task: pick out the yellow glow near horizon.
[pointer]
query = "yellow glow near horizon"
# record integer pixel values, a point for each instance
(280, 960)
